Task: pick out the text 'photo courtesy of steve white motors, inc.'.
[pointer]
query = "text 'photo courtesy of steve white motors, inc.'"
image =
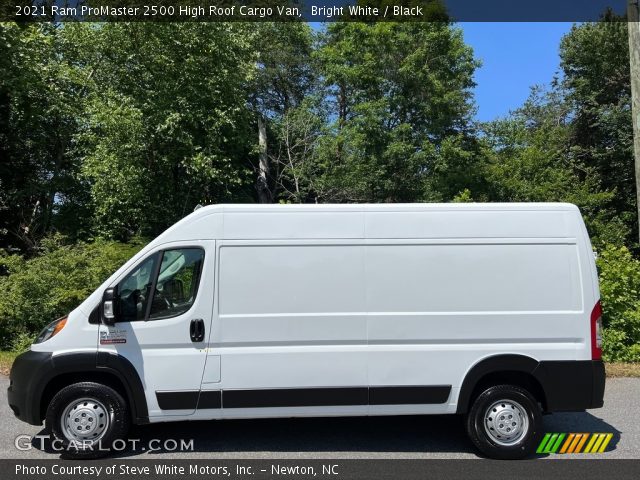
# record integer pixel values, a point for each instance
(242, 469)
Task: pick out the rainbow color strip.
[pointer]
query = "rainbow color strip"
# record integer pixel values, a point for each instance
(574, 443)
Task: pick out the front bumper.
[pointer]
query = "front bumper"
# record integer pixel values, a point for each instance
(26, 381)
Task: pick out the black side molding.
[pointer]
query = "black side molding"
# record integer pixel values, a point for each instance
(210, 399)
(409, 395)
(177, 400)
(295, 397)
(304, 397)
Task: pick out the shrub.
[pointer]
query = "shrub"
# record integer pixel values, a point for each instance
(619, 290)
(22, 342)
(36, 291)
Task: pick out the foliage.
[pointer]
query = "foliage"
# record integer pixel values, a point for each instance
(50, 285)
(400, 96)
(21, 342)
(170, 130)
(294, 155)
(530, 160)
(595, 62)
(285, 73)
(281, 96)
(620, 296)
(39, 111)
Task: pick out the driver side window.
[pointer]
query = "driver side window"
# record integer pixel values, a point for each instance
(174, 283)
(134, 290)
(177, 283)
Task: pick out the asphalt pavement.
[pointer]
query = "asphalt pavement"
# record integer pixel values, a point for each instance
(439, 436)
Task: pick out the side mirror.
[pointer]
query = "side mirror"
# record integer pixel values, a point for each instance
(109, 306)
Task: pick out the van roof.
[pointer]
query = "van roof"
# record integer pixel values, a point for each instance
(387, 207)
(399, 221)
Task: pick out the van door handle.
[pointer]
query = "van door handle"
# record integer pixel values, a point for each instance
(196, 330)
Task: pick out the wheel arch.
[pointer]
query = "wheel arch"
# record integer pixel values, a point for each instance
(108, 369)
(511, 369)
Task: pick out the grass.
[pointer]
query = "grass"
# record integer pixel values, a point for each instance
(620, 369)
(613, 369)
(6, 359)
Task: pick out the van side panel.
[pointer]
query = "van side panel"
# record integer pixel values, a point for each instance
(450, 222)
(436, 309)
(291, 318)
(474, 278)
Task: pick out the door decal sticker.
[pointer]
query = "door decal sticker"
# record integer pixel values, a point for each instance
(110, 337)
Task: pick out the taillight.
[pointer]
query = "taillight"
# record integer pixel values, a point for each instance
(596, 332)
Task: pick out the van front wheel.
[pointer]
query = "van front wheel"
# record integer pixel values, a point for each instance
(85, 419)
(505, 422)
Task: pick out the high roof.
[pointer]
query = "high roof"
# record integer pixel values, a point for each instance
(376, 221)
(359, 207)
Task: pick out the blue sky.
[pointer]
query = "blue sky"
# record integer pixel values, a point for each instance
(515, 56)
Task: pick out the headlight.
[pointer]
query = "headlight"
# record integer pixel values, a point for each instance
(51, 330)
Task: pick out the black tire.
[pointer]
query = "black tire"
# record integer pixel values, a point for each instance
(108, 404)
(521, 445)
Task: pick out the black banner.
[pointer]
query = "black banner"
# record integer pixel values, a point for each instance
(567, 469)
(313, 10)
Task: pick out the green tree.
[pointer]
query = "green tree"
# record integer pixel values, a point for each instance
(50, 285)
(595, 63)
(574, 142)
(285, 77)
(40, 104)
(398, 93)
(530, 159)
(620, 291)
(167, 123)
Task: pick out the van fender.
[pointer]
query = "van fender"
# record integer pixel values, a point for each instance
(100, 362)
(493, 364)
(129, 377)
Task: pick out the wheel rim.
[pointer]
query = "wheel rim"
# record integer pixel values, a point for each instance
(85, 420)
(506, 422)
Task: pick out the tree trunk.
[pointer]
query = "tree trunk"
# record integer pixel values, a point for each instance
(633, 13)
(262, 184)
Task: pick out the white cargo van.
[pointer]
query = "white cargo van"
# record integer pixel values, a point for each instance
(247, 311)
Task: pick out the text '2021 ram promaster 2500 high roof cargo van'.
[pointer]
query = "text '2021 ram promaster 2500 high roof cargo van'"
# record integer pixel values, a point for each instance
(245, 311)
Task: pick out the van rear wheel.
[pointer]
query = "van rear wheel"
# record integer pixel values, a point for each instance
(86, 418)
(505, 422)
